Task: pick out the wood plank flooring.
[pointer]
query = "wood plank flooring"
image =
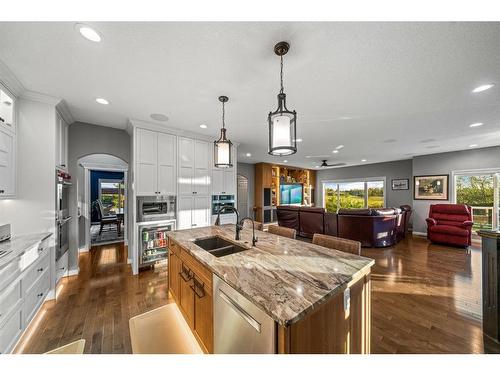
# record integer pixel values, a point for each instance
(426, 299)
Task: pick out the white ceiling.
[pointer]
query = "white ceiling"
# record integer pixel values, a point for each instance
(386, 91)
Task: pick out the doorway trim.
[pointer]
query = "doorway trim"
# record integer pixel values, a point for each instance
(88, 167)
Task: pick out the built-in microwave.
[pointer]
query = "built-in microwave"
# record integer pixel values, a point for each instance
(156, 208)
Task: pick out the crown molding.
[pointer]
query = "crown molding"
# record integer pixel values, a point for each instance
(10, 81)
(62, 108)
(39, 97)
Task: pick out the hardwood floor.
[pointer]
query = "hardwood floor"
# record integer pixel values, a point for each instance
(97, 304)
(426, 299)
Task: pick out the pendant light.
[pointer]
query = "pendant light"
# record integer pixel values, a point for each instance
(282, 122)
(222, 147)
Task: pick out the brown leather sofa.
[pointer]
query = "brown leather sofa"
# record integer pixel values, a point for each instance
(372, 227)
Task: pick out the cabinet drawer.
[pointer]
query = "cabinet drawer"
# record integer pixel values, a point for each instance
(35, 271)
(35, 296)
(62, 266)
(10, 330)
(9, 299)
(9, 272)
(173, 247)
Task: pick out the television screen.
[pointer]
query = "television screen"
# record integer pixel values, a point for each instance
(291, 194)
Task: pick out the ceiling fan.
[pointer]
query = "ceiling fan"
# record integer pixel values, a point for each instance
(325, 164)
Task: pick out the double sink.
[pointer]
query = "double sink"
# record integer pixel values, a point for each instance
(218, 246)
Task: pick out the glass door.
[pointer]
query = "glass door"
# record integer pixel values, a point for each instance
(481, 192)
(112, 197)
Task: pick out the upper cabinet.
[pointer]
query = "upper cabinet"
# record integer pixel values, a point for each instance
(8, 144)
(155, 163)
(194, 172)
(7, 164)
(61, 142)
(7, 110)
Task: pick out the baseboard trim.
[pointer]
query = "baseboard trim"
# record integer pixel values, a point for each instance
(74, 272)
(84, 249)
(421, 234)
(129, 261)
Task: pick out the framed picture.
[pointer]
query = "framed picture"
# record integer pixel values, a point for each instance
(401, 184)
(431, 187)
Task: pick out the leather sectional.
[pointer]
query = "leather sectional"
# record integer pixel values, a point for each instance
(371, 227)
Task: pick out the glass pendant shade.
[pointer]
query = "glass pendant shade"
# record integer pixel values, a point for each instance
(282, 131)
(222, 151)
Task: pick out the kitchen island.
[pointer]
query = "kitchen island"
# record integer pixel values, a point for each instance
(318, 298)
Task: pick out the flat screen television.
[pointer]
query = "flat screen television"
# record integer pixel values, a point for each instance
(291, 194)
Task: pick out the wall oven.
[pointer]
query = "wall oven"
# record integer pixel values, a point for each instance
(63, 184)
(156, 208)
(222, 200)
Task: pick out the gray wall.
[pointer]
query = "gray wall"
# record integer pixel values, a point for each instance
(248, 170)
(446, 163)
(86, 139)
(390, 170)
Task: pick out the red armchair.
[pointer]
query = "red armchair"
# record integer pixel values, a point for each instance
(450, 224)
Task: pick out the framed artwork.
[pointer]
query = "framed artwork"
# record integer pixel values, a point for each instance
(400, 184)
(433, 187)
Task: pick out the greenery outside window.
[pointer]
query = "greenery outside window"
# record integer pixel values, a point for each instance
(359, 193)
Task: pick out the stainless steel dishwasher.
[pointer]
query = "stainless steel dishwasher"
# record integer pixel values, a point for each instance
(240, 327)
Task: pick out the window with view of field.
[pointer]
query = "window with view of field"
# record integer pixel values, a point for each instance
(353, 194)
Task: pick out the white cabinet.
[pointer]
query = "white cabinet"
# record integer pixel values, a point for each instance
(224, 181)
(194, 175)
(7, 110)
(7, 164)
(155, 165)
(193, 212)
(61, 143)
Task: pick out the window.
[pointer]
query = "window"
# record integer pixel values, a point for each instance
(354, 194)
(111, 194)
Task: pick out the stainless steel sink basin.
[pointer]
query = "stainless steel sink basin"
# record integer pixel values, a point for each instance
(218, 246)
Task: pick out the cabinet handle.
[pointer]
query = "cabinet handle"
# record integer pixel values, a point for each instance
(2, 191)
(40, 270)
(186, 274)
(193, 225)
(62, 268)
(198, 288)
(40, 295)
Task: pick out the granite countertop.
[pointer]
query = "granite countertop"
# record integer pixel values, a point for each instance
(286, 278)
(17, 245)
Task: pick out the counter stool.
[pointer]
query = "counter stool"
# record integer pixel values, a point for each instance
(282, 231)
(75, 347)
(337, 243)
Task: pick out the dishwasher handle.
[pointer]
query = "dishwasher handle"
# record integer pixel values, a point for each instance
(240, 311)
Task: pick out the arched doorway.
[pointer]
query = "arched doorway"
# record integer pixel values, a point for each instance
(242, 195)
(102, 200)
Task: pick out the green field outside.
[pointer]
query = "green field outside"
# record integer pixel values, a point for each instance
(353, 199)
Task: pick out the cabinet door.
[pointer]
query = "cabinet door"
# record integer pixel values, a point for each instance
(166, 163)
(147, 157)
(217, 181)
(58, 139)
(186, 152)
(185, 181)
(203, 315)
(7, 165)
(187, 296)
(7, 110)
(202, 157)
(184, 216)
(201, 182)
(229, 182)
(201, 211)
(174, 268)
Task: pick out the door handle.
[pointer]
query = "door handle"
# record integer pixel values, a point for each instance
(198, 288)
(240, 311)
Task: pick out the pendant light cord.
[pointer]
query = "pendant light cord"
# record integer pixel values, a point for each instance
(223, 116)
(281, 76)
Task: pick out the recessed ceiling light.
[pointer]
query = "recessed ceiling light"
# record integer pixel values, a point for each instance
(483, 88)
(88, 32)
(203, 126)
(248, 154)
(473, 145)
(159, 117)
(363, 160)
(475, 125)
(335, 151)
(102, 101)
(339, 147)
